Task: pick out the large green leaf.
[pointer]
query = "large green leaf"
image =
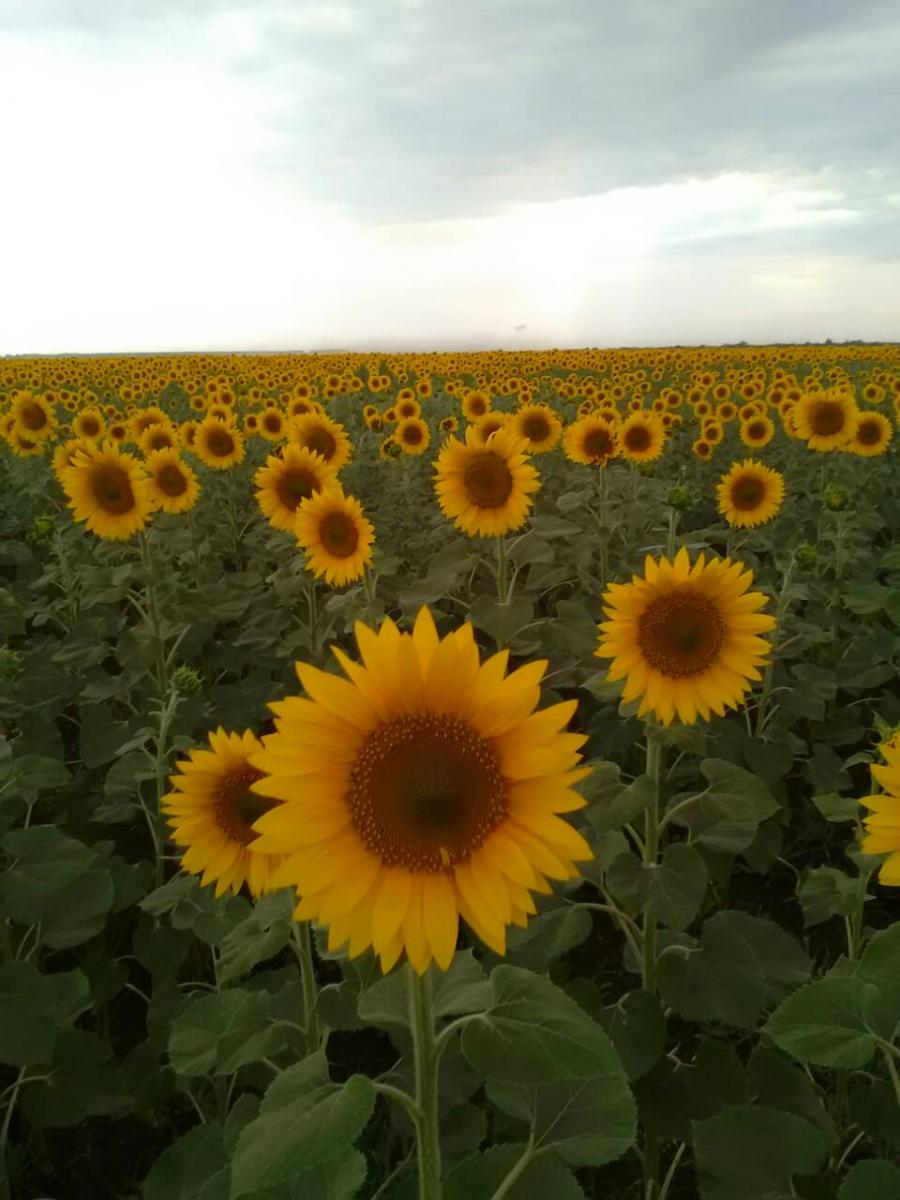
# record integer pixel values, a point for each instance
(546, 938)
(753, 1153)
(481, 1175)
(306, 1124)
(183, 1169)
(533, 1033)
(726, 816)
(28, 1007)
(218, 1033)
(262, 935)
(84, 1081)
(670, 891)
(827, 1022)
(871, 1179)
(637, 1026)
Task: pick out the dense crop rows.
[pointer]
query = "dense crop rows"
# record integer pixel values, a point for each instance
(547, 872)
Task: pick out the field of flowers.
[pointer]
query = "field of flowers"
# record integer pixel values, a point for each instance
(464, 776)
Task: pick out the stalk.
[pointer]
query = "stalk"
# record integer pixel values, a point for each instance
(428, 1147)
(502, 585)
(769, 674)
(303, 950)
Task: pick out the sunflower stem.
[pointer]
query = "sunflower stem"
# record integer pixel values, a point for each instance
(651, 847)
(769, 674)
(672, 535)
(603, 528)
(153, 611)
(428, 1146)
(312, 601)
(368, 579)
(502, 588)
(303, 949)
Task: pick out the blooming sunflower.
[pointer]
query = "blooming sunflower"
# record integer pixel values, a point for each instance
(422, 788)
(642, 437)
(757, 431)
(592, 440)
(872, 436)
(412, 435)
(89, 424)
(539, 425)
(217, 444)
(685, 638)
(827, 420)
(271, 424)
(750, 494)
(173, 485)
(485, 490)
(883, 825)
(485, 427)
(325, 437)
(475, 404)
(212, 811)
(287, 479)
(335, 535)
(158, 437)
(108, 490)
(34, 416)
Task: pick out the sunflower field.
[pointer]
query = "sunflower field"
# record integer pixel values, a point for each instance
(463, 776)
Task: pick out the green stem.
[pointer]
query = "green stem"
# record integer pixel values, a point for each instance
(769, 674)
(892, 1070)
(502, 589)
(167, 712)
(369, 585)
(603, 529)
(651, 847)
(516, 1170)
(428, 1146)
(154, 614)
(312, 601)
(303, 949)
(671, 536)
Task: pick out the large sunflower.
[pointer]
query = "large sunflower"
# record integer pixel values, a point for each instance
(592, 440)
(485, 490)
(217, 444)
(685, 638)
(872, 436)
(883, 825)
(287, 479)
(750, 494)
(335, 535)
(212, 811)
(108, 490)
(423, 788)
(827, 420)
(539, 425)
(173, 485)
(642, 437)
(320, 434)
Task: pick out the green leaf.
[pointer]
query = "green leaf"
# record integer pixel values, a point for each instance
(826, 1023)
(57, 882)
(618, 806)
(39, 773)
(100, 737)
(837, 808)
(262, 935)
(865, 599)
(533, 1033)
(182, 1170)
(826, 892)
(586, 1122)
(28, 1013)
(386, 1002)
(717, 1079)
(548, 937)
(637, 1026)
(742, 965)
(753, 1153)
(726, 816)
(84, 1082)
(670, 891)
(779, 1083)
(462, 989)
(306, 1124)
(501, 621)
(481, 1175)
(871, 1179)
(218, 1033)
(72, 993)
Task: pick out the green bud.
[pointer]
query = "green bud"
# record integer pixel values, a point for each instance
(806, 556)
(186, 681)
(41, 530)
(836, 498)
(682, 497)
(11, 664)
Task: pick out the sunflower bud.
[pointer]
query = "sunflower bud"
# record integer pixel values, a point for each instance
(682, 497)
(11, 664)
(186, 681)
(41, 530)
(836, 498)
(806, 556)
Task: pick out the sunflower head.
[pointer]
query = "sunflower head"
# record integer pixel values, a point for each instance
(218, 444)
(485, 490)
(592, 440)
(827, 420)
(422, 787)
(883, 822)
(34, 417)
(412, 435)
(539, 426)
(212, 810)
(324, 437)
(750, 494)
(173, 485)
(335, 535)
(872, 435)
(642, 437)
(286, 480)
(108, 491)
(686, 638)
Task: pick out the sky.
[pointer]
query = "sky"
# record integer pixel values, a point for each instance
(445, 174)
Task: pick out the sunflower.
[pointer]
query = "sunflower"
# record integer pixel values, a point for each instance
(412, 435)
(158, 437)
(118, 431)
(485, 490)
(64, 454)
(212, 811)
(173, 485)
(539, 426)
(750, 494)
(108, 490)
(883, 825)
(475, 404)
(641, 437)
(218, 445)
(873, 435)
(89, 424)
(485, 427)
(701, 448)
(388, 450)
(141, 421)
(422, 789)
(319, 433)
(592, 439)
(450, 424)
(286, 480)
(685, 638)
(827, 420)
(758, 431)
(271, 424)
(335, 535)
(34, 416)
(408, 406)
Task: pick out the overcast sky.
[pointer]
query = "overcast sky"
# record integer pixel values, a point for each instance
(284, 174)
